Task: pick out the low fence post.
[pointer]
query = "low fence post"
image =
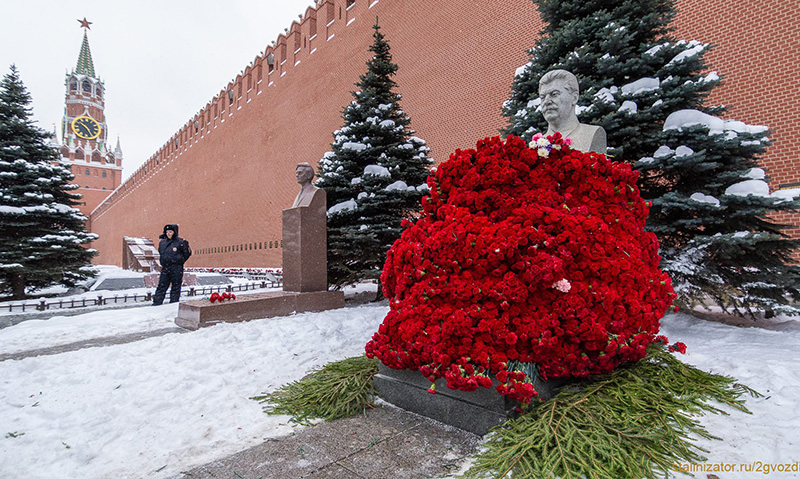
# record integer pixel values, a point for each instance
(41, 306)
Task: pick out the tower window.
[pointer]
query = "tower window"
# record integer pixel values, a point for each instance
(87, 87)
(104, 174)
(73, 85)
(88, 173)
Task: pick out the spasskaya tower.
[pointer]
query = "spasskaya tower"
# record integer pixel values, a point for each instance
(84, 132)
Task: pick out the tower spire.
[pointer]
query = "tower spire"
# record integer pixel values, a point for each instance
(85, 65)
(118, 151)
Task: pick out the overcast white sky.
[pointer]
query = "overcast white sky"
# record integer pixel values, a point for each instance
(161, 61)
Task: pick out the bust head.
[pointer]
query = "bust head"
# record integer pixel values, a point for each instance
(558, 90)
(304, 173)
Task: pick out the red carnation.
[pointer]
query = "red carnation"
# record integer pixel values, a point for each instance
(680, 347)
(527, 258)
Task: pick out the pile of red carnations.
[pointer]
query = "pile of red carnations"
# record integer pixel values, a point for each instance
(536, 255)
(216, 297)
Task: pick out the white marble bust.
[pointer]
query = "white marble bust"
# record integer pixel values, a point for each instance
(558, 90)
(304, 173)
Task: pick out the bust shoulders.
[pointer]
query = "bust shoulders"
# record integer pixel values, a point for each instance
(309, 196)
(587, 138)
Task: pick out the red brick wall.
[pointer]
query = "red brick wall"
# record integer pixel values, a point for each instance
(227, 183)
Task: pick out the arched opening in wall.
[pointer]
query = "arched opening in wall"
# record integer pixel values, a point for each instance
(99, 93)
(73, 86)
(87, 87)
(96, 157)
(79, 154)
(88, 173)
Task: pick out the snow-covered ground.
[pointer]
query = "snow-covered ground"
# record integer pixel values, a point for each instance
(155, 407)
(161, 405)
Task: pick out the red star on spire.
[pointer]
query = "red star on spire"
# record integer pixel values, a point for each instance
(85, 23)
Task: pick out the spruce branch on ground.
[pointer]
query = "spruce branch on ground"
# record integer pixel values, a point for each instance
(340, 389)
(636, 422)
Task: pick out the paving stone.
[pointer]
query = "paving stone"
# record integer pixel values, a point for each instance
(385, 442)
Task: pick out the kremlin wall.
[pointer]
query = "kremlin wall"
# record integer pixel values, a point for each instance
(228, 172)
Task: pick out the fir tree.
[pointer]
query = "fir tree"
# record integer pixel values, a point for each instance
(711, 211)
(375, 175)
(40, 232)
(633, 74)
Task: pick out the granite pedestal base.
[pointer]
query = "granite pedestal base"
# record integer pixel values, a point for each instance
(476, 411)
(201, 313)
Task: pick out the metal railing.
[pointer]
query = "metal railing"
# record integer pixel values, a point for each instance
(100, 300)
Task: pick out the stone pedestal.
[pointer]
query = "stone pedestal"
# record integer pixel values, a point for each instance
(305, 246)
(476, 411)
(201, 313)
(305, 269)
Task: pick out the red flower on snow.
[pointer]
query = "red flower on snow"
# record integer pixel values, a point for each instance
(221, 297)
(517, 256)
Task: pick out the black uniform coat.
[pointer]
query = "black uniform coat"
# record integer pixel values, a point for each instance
(175, 251)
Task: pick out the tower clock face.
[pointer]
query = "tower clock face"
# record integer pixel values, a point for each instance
(86, 127)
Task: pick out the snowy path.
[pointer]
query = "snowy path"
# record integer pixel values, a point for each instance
(158, 406)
